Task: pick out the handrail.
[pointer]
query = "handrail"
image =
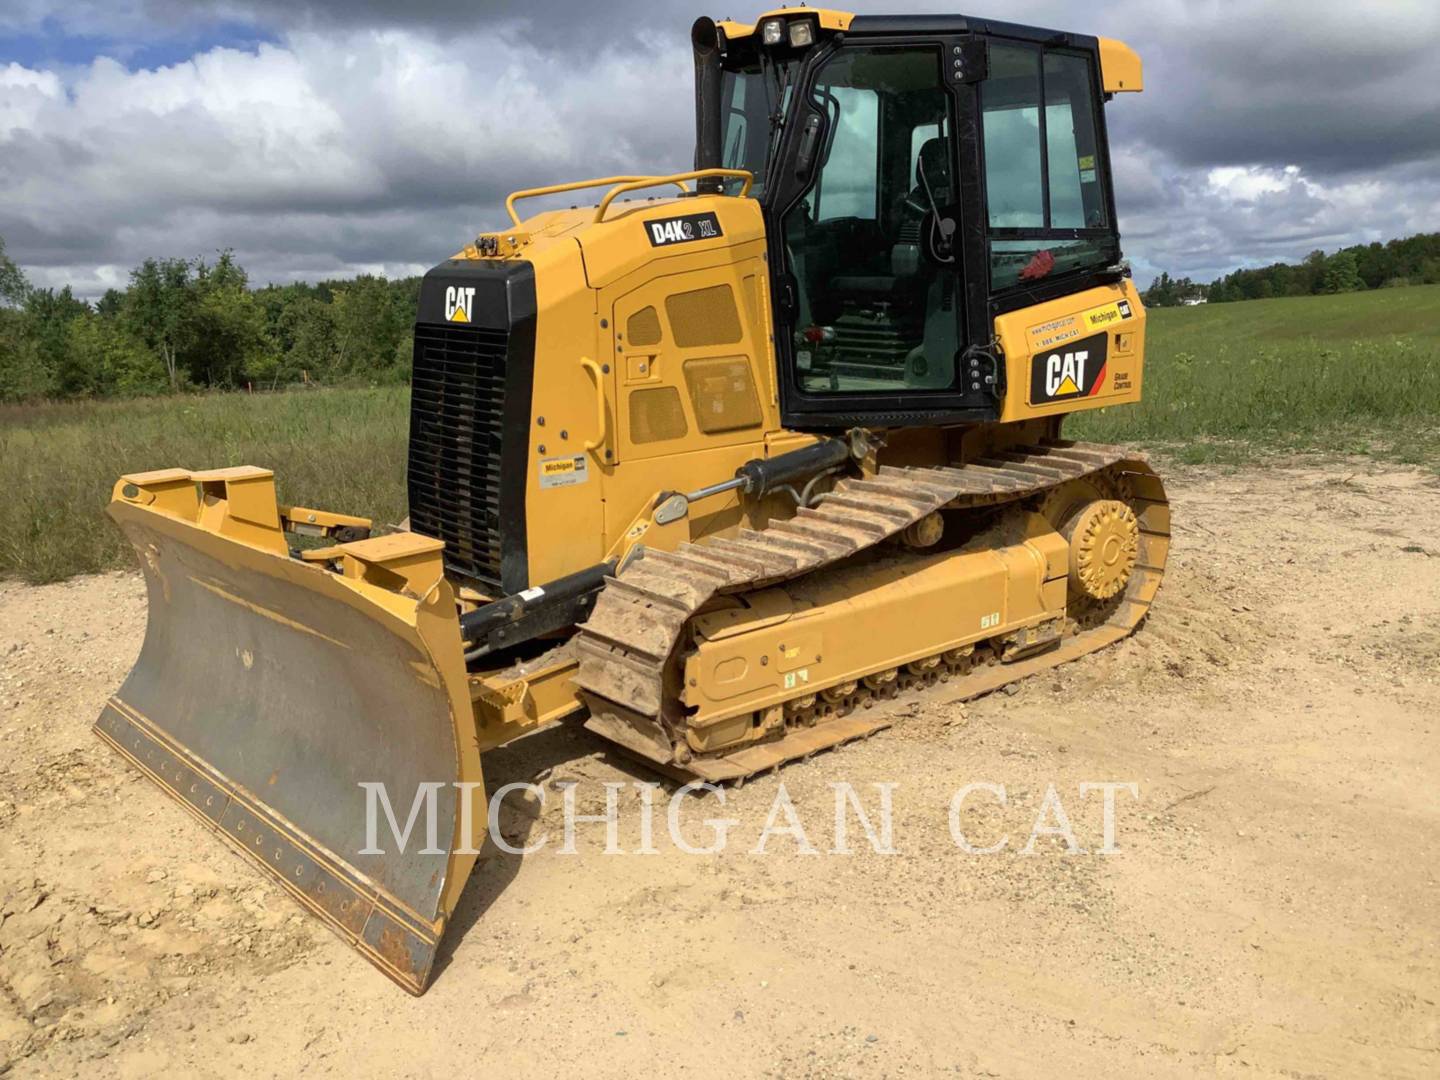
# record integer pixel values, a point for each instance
(591, 445)
(578, 185)
(639, 183)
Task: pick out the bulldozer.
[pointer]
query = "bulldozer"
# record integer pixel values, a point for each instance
(719, 465)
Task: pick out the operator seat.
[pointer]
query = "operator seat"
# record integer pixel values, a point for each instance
(905, 260)
(934, 162)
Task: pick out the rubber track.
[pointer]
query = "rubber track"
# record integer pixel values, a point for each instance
(625, 645)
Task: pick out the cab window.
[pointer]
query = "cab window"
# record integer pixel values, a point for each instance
(848, 185)
(745, 127)
(876, 303)
(1043, 170)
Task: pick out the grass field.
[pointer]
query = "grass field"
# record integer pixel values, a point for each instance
(1358, 373)
(337, 449)
(1355, 373)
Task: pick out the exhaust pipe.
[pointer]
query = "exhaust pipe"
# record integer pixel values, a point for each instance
(705, 37)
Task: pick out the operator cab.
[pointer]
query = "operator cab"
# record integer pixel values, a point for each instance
(913, 187)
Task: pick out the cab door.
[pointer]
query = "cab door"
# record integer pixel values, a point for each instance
(872, 308)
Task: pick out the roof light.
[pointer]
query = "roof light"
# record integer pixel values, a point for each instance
(802, 33)
(772, 31)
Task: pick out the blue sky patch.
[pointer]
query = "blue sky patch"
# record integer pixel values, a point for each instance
(50, 46)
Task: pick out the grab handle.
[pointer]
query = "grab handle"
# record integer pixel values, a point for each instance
(746, 177)
(602, 416)
(575, 185)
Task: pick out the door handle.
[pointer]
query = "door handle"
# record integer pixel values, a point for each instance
(809, 135)
(602, 416)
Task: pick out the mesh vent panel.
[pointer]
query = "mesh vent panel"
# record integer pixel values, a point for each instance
(722, 393)
(644, 327)
(656, 414)
(704, 317)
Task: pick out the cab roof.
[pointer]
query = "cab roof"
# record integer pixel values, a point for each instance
(1120, 66)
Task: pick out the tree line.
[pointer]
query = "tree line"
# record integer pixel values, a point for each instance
(1415, 260)
(183, 324)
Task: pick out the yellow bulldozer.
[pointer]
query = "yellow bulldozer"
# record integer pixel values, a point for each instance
(716, 463)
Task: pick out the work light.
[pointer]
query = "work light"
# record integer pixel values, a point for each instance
(772, 32)
(802, 33)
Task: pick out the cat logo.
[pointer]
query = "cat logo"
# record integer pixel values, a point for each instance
(1075, 370)
(459, 303)
(1064, 374)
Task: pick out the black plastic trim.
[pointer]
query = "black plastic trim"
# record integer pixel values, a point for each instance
(503, 303)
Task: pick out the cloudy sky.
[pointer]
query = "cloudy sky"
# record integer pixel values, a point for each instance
(327, 137)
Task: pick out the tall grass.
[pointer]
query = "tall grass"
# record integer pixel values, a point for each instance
(337, 449)
(1355, 373)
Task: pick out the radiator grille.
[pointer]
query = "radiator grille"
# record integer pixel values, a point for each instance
(456, 410)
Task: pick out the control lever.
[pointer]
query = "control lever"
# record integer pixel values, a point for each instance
(942, 229)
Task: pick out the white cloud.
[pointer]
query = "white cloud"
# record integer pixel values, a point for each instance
(24, 95)
(333, 152)
(1203, 224)
(390, 137)
(1248, 182)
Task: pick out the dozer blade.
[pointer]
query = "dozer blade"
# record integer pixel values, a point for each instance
(269, 690)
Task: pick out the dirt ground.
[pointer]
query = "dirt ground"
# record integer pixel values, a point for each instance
(1272, 910)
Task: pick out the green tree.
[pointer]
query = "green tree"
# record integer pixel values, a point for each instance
(22, 373)
(116, 362)
(1161, 292)
(224, 326)
(1341, 274)
(48, 315)
(370, 320)
(310, 328)
(110, 304)
(156, 310)
(1312, 272)
(13, 286)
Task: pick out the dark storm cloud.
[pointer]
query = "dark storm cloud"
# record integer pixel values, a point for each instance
(556, 20)
(1320, 87)
(360, 134)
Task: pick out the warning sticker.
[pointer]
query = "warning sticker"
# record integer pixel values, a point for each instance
(564, 471)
